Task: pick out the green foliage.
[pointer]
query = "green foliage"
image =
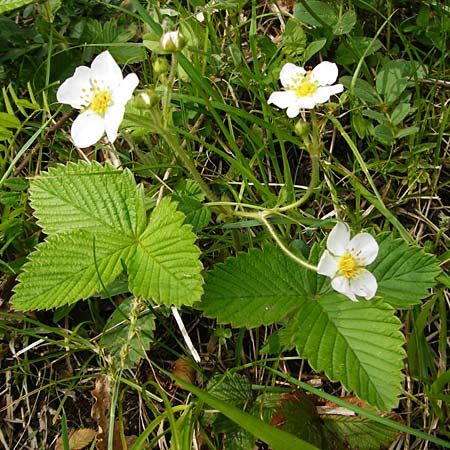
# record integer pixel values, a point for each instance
(254, 289)
(128, 334)
(404, 273)
(277, 439)
(9, 5)
(359, 344)
(166, 266)
(96, 225)
(358, 433)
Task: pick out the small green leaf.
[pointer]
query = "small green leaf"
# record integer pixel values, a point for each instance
(166, 266)
(404, 274)
(321, 10)
(358, 344)
(69, 267)
(401, 111)
(391, 82)
(355, 48)
(362, 89)
(88, 196)
(313, 48)
(408, 131)
(384, 134)
(233, 388)
(9, 5)
(255, 288)
(345, 23)
(9, 120)
(294, 38)
(356, 432)
(126, 339)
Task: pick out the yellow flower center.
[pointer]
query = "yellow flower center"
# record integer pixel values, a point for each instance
(100, 101)
(305, 86)
(349, 266)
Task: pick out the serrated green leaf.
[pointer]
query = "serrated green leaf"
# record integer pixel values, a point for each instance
(166, 266)
(255, 288)
(88, 196)
(67, 267)
(356, 432)
(233, 388)
(126, 339)
(404, 273)
(358, 344)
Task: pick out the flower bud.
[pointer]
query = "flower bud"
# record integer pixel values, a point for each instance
(146, 99)
(302, 128)
(160, 66)
(172, 41)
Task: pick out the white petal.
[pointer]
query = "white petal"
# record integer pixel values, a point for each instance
(72, 90)
(338, 239)
(324, 93)
(104, 68)
(293, 111)
(113, 119)
(282, 99)
(328, 265)
(365, 285)
(306, 102)
(87, 129)
(124, 91)
(342, 285)
(290, 73)
(364, 247)
(325, 73)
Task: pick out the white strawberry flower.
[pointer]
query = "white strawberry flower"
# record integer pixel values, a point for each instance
(345, 262)
(101, 93)
(305, 89)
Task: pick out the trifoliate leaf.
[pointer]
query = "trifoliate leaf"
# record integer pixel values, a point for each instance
(404, 273)
(68, 267)
(128, 333)
(256, 288)
(88, 196)
(166, 266)
(358, 344)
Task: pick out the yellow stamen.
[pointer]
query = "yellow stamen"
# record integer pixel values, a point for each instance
(349, 266)
(100, 102)
(305, 86)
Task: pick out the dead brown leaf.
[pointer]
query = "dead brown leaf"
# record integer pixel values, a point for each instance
(99, 413)
(183, 369)
(78, 439)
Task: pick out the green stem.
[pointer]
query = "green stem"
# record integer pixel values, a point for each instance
(174, 145)
(168, 90)
(312, 185)
(263, 218)
(313, 144)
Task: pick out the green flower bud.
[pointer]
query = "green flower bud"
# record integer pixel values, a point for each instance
(160, 66)
(145, 99)
(302, 128)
